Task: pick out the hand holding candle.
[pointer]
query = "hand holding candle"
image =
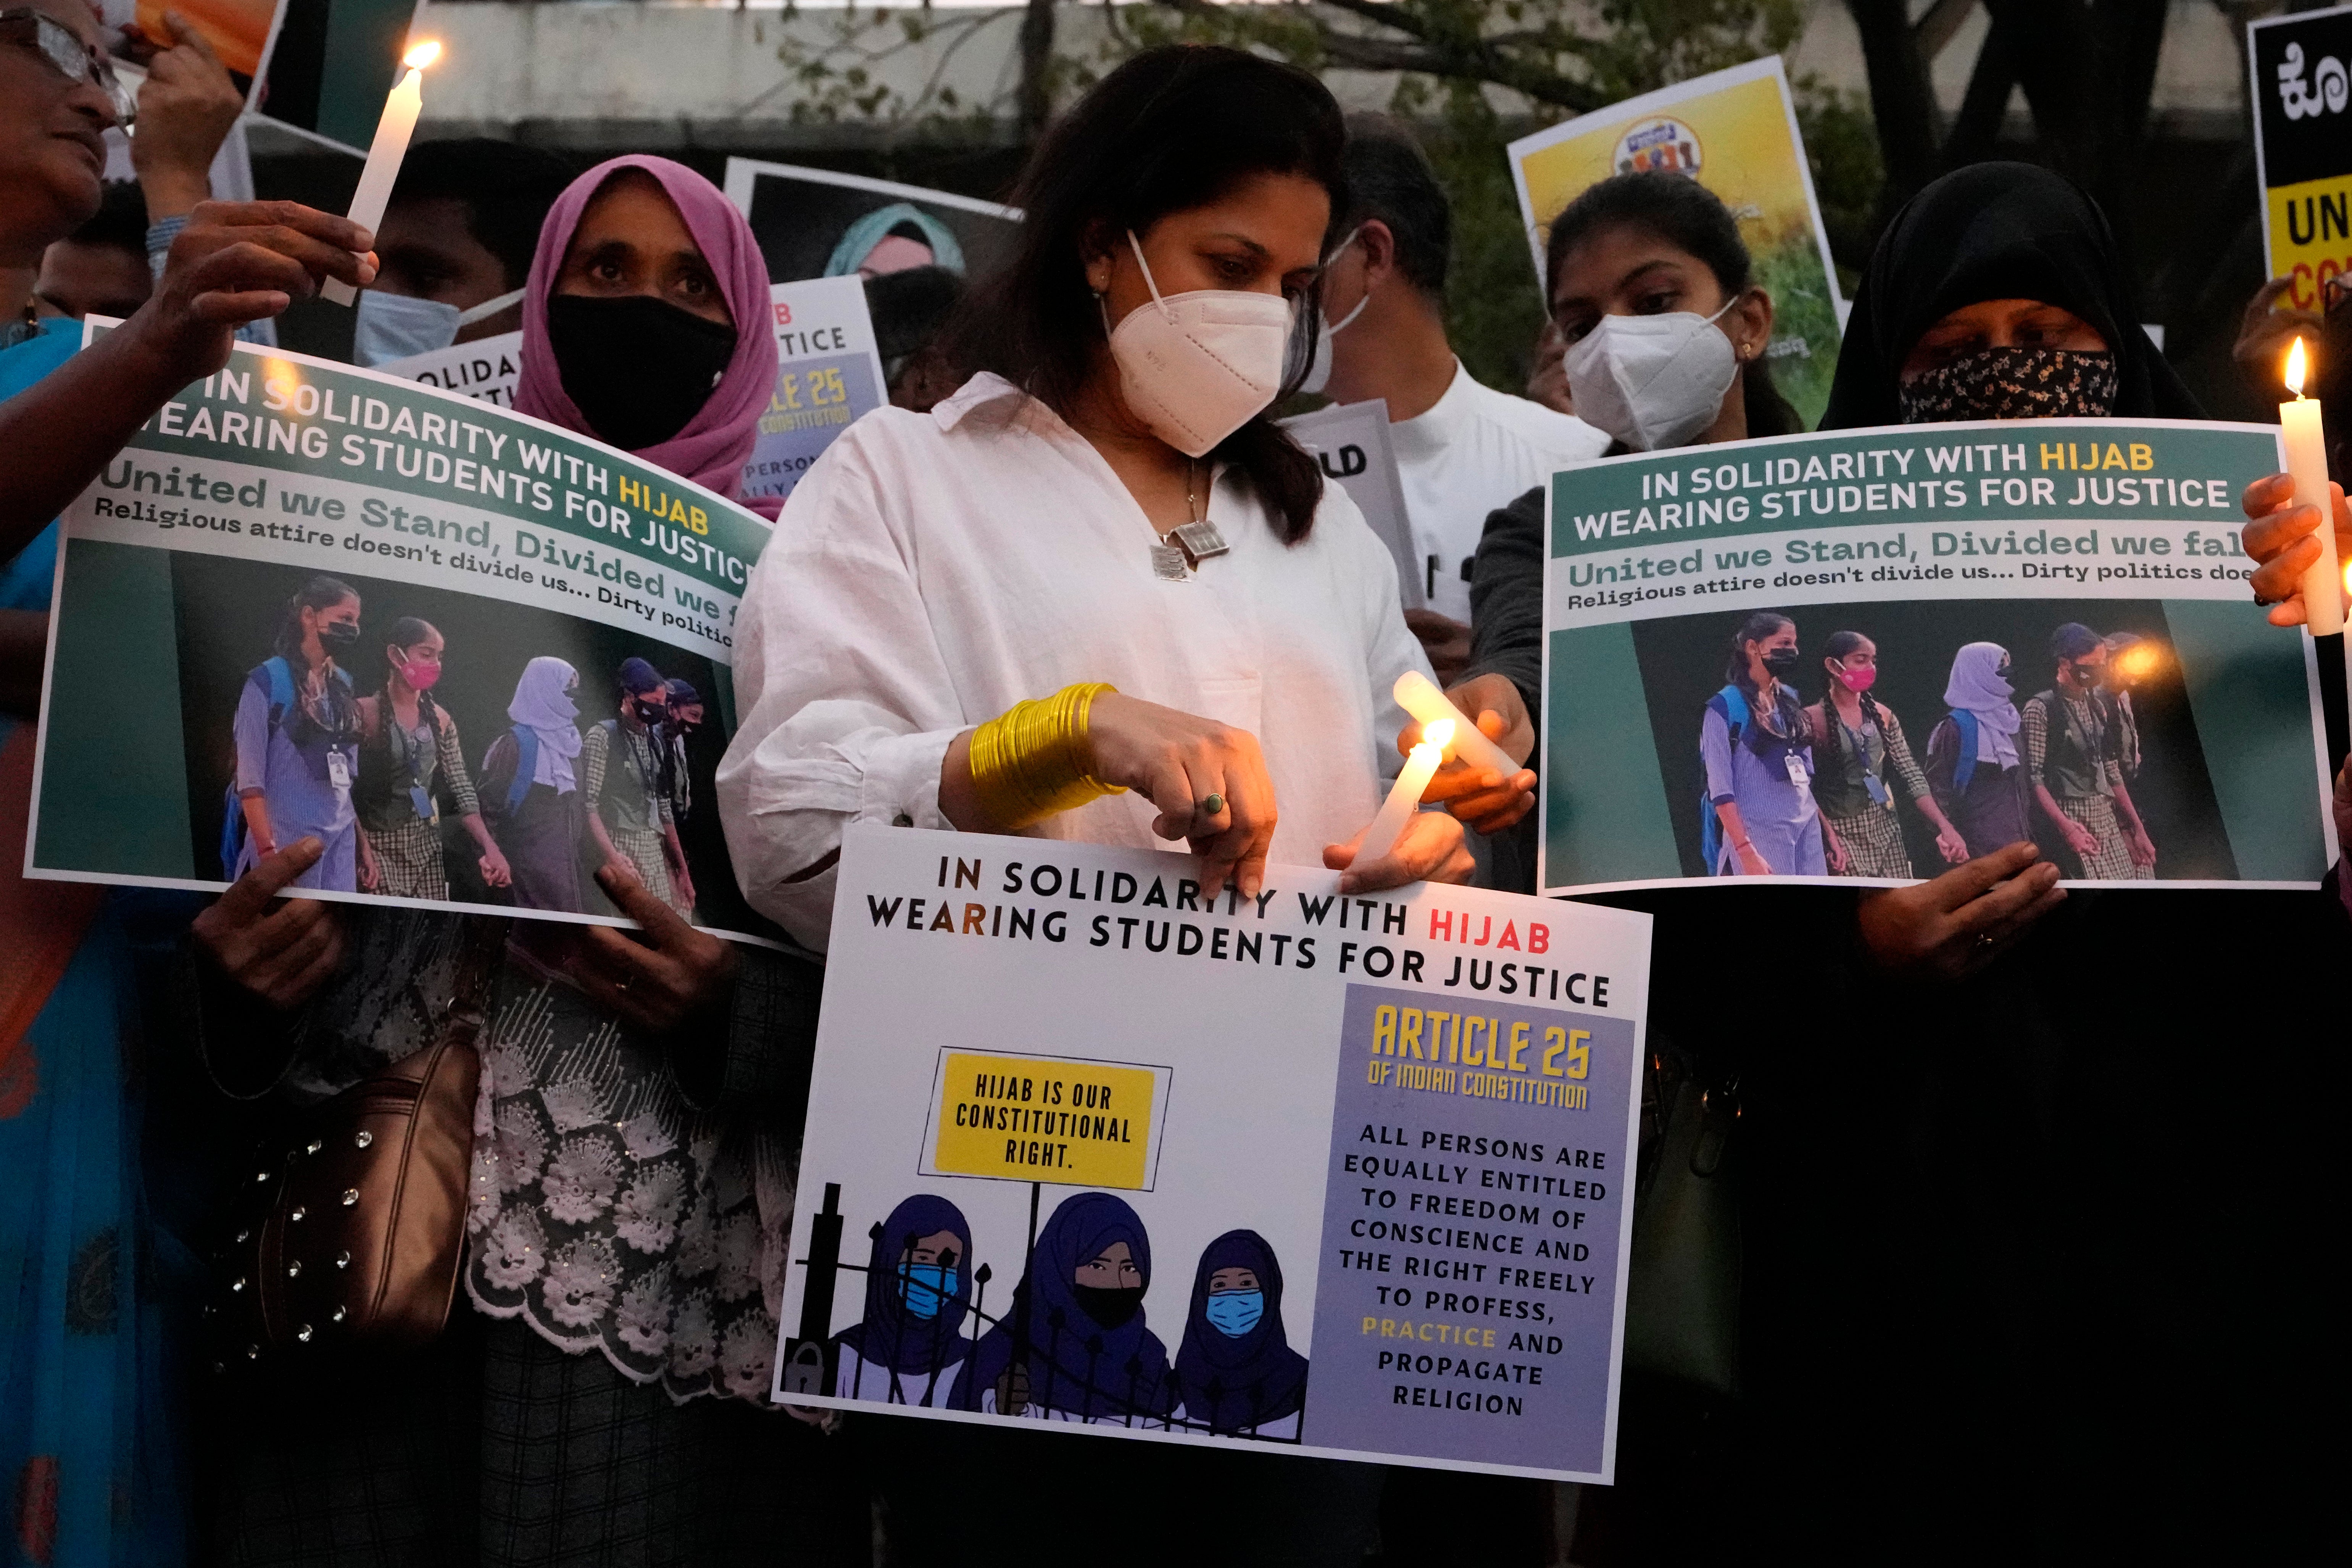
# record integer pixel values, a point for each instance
(1404, 798)
(2306, 463)
(385, 154)
(1419, 696)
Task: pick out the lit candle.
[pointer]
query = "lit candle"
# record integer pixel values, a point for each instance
(1404, 800)
(2306, 463)
(1419, 696)
(384, 154)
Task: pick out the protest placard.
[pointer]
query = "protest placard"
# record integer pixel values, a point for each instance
(486, 369)
(1351, 440)
(828, 376)
(1733, 131)
(819, 223)
(2302, 146)
(1936, 542)
(320, 68)
(185, 686)
(1341, 1176)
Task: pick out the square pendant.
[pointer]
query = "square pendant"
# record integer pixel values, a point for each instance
(1201, 539)
(1167, 564)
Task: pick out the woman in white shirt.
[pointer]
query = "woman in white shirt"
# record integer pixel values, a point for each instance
(1104, 502)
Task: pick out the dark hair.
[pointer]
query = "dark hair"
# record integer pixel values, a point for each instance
(2072, 641)
(1837, 646)
(119, 221)
(1390, 178)
(1787, 721)
(321, 593)
(1759, 625)
(909, 307)
(1173, 128)
(1688, 216)
(506, 188)
(406, 633)
(637, 675)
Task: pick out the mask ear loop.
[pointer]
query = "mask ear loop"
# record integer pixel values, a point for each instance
(1167, 312)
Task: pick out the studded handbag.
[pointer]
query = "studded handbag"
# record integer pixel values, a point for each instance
(354, 1223)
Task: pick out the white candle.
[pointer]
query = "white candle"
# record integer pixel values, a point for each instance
(384, 155)
(1404, 799)
(2306, 463)
(1419, 696)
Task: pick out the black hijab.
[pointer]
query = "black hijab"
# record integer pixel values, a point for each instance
(1995, 231)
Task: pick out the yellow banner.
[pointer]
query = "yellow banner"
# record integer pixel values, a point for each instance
(1038, 1119)
(2311, 235)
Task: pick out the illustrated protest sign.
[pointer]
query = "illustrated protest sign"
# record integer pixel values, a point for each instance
(819, 223)
(1339, 1176)
(1975, 560)
(1733, 131)
(190, 717)
(828, 376)
(1351, 440)
(2301, 92)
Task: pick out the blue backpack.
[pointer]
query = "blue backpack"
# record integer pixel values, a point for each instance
(1710, 830)
(526, 764)
(1964, 766)
(280, 677)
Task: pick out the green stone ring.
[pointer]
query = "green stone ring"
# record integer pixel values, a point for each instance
(1211, 805)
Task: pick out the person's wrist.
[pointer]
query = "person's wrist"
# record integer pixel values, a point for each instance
(173, 192)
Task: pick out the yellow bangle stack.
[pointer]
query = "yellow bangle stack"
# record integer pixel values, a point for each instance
(1036, 758)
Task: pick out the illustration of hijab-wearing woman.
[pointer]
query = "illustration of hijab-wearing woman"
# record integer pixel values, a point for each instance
(1074, 1347)
(894, 238)
(297, 734)
(1236, 1375)
(530, 788)
(917, 1290)
(1972, 760)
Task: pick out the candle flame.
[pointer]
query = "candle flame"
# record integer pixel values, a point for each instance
(2295, 368)
(1439, 734)
(422, 55)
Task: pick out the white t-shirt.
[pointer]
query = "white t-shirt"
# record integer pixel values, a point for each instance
(1476, 449)
(931, 570)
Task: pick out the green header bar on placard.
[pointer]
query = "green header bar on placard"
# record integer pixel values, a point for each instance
(308, 418)
(1994, 472)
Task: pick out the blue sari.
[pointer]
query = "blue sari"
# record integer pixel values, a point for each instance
(90, 1467)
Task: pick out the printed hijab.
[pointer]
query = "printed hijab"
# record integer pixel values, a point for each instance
(890, 1335)
(1230, 1383)
(1076, 1365)
(542, 704)
(1995, 231)
(1977, 687)
(712, 449)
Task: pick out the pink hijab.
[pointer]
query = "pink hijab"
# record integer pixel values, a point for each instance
(713, 446)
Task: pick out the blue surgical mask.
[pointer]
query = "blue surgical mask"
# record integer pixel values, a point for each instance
(401, 326)
(926, 1288)
(1233, 1313)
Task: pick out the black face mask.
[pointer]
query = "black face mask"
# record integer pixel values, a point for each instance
(337, 636)
(2013, 383)
(1780, 661)
(1109, 1306)
(636, 367)
(650, 712)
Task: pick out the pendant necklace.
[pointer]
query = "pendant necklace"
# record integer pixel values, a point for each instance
(1179, 551)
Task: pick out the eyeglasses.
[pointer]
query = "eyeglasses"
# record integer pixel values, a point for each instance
(64, 51)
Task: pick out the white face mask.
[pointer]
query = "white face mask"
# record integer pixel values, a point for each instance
(1653, 382)
(401, 326)
(1198, 366)
(1318, 368)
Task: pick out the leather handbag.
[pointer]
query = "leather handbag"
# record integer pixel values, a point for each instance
(1683, 1278)
(353, 1227)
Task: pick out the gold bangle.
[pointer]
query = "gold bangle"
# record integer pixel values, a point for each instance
(1036, 758)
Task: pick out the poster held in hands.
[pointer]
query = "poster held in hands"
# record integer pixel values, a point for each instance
(1350, 441)
(1733, 131)
(1348, 1178)
(172, 694)
(821, 222)
(2301, 90)
(828, 376)
(486, 369)
(1931, 540)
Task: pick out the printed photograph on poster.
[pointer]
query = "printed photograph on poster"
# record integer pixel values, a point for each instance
(1345, 1177)
(1350, 441)
(486, 369)
(1873, 654)
(478, 656)
(1733, 131)
(817, 223)
(2302, 92)
(828, 376)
